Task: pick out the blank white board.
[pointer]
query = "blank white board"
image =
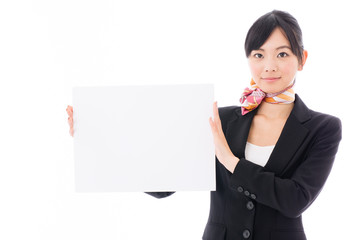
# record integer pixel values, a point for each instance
(143, 138)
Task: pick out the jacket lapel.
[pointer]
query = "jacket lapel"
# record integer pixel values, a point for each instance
(291, 137)
(237, 132)
(290, 140)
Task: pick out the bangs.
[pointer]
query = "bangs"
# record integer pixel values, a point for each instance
(259, 33)
(265, 25)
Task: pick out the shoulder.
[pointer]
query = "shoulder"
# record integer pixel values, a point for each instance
(229, 112)
(323, 118)
(325, 125)
(314, 119)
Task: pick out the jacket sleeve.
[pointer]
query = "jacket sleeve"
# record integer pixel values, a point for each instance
(291, 196)
(160, 194)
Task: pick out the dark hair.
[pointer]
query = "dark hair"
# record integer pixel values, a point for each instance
(265, 25)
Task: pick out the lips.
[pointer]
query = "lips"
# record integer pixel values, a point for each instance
(270, 79)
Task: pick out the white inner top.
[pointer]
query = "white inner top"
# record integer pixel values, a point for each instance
(258, 154)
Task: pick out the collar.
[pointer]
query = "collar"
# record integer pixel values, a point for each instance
(291, 138)
(300, 111)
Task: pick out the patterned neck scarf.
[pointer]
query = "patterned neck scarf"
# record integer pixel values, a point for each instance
(253, 96)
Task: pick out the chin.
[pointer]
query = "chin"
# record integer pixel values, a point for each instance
(273, 87)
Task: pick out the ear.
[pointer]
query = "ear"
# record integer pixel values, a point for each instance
(305, 55)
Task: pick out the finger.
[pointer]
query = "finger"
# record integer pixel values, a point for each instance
(213, 128)
(212, 124)
(216, 116)
(215, 111)
(69, 110)
(71, 122)
(71, 131)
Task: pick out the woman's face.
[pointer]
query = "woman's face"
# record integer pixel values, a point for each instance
(274, 66)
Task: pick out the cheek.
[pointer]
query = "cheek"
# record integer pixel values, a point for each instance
(255, 69)
(289, 68)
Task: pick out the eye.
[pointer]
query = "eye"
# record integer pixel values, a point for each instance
(258, 55)
(283, 54)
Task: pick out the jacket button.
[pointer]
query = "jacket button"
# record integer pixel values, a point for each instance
(247, 193)
(246, 233)
(250, 205)
(253, 196)
(240, 189)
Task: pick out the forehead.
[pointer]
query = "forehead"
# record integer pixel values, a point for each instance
(276, 39)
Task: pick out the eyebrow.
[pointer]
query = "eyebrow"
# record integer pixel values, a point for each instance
(281, 47)
(285, 46)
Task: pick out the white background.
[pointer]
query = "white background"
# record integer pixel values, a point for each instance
(47, 47)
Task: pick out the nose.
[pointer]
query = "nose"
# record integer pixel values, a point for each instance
(270, 66)
(270, 70)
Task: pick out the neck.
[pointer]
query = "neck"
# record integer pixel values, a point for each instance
(275, 110)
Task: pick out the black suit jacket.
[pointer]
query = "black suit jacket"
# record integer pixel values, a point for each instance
(266, 203)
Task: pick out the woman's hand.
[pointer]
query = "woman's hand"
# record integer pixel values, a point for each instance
(222, 149)
(69, 111)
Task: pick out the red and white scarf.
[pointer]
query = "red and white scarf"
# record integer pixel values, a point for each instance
(253, 96)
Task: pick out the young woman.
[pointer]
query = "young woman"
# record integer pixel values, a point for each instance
(273, 154)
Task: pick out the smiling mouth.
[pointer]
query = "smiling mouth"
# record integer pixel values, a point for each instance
(270, 78)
